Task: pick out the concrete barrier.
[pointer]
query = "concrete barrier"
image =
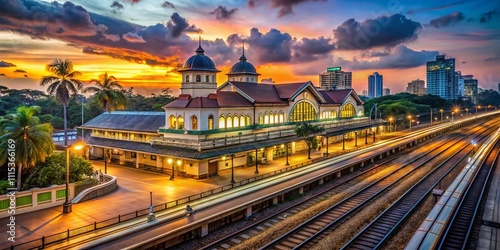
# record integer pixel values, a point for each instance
(108, 186)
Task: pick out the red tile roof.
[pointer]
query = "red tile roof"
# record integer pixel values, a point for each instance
(260, 92)
(286, 91)
(232, 99)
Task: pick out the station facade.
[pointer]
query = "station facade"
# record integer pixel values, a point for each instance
(210, 128)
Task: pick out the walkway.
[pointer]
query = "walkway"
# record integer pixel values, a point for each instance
(133, 194)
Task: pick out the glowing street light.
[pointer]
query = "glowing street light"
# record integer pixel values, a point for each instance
(67, 205)
(441, 114)
(409, 117)
(170, 162)
(390, 121)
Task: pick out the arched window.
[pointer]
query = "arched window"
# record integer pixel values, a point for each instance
(213, 78)
(171, 122)
(180, 121)
(261, 119)
(266, 118)
(236, 121)
(222, 122)
(187, 78)
(247, 79)
(271, 118)
(248, 120)
(210, 122)
(207, 79)
(282, 117)
(194, 123)
(303, 111)
(276, 117)
(242, 120)
(229, 122)
(198, 78)
(347, 110)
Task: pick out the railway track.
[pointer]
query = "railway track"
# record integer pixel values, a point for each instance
(461, 232)
(251, 230)
(314, 229)
(374, 235)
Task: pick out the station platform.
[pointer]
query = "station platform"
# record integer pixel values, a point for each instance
(489, 234)
(135, 185)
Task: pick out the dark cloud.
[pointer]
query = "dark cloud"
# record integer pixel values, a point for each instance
(284, 6)
(401, 57)
(272, 47)
(116, 5)
(222, 13)
(167, 4)
(445, 21)
(3, 74)
(4, 64)
(495, 58)
(464, 62)
(439, 7)
(376, 53)
(20, 71)
(133, 38)
(307, 50)
(178, 24)
(383, 31)
(486, 17)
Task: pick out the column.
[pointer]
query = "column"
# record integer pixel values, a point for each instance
(269, 154)
(121, 157)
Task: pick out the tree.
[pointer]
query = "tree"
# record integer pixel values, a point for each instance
(108, 92)
(62, 84)
(31, 140)
(308, 132)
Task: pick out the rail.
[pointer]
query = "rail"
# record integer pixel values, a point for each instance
(431, 230)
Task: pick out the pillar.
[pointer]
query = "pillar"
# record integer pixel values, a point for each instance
(293, 147)
(321, 181)
(301, 190)
(137, 157)
(339, 174)
(372, 160)
(275, 200)
(362, 164)
(351, 169)
(121, 157)
(248, 212)
(269, 154)
(204, 230)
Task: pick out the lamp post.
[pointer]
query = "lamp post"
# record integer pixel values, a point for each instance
(286, 152)
(390, 126)
(467, 111)
(170, 162)
(473, 147)
(67, 205)
(441, 114)
(366, 136)
(356, 139)
(343, 142)
(409, 118)
(257, 161)
(232, 169)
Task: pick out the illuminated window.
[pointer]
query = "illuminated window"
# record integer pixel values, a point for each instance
(282, 117)
(303, 111)
(266, 118)
(242, 120)
(194, 123)
(222, 122)
(229, 122)
(249, 121)
(348, 110)
(180, 121)
(271, 118)
(236, 121)
(171, 122)
(198, 78)
(261, 119)
(210, 122)
(276, 117)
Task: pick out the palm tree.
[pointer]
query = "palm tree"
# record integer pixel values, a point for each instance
(23, 134)
(110, 96)
(308, 132)
(62, 83)
(108, 92)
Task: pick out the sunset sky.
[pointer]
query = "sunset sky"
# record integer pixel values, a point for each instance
(143, 42)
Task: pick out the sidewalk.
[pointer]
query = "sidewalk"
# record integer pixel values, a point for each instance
(134, 187)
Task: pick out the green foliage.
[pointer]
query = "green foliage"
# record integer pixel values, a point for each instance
(4, 184)
(488, 97)
(403, 104)
(107, 93)
(53, 171)
(308, 132)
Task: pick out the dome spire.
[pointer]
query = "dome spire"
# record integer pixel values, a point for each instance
(200, 50)
(243, 58)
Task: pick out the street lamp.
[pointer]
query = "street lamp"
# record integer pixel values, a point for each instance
(409, 117)
(67, 205)
(467, 111)
(441, 110)
(390, 121)
(170, 162)
(232, 169)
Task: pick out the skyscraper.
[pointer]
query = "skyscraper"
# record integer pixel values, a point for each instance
(335, 78)
(375, 85)
(416, 87)
(470, 87)
(387, 91)
(442, 79)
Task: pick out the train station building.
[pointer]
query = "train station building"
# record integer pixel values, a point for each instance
(209, 128)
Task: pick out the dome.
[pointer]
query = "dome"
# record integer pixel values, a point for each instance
(243, 67)
(199, 62)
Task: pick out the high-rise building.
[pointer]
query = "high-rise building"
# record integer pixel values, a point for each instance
(375, 85)
(470, 87)
(460, 83)
(499, 87)
(442, 78)
(416, 87)
(365, 93)
(387, 91)
(335, 78)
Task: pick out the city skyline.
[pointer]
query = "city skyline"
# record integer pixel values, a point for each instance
(142, 43)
